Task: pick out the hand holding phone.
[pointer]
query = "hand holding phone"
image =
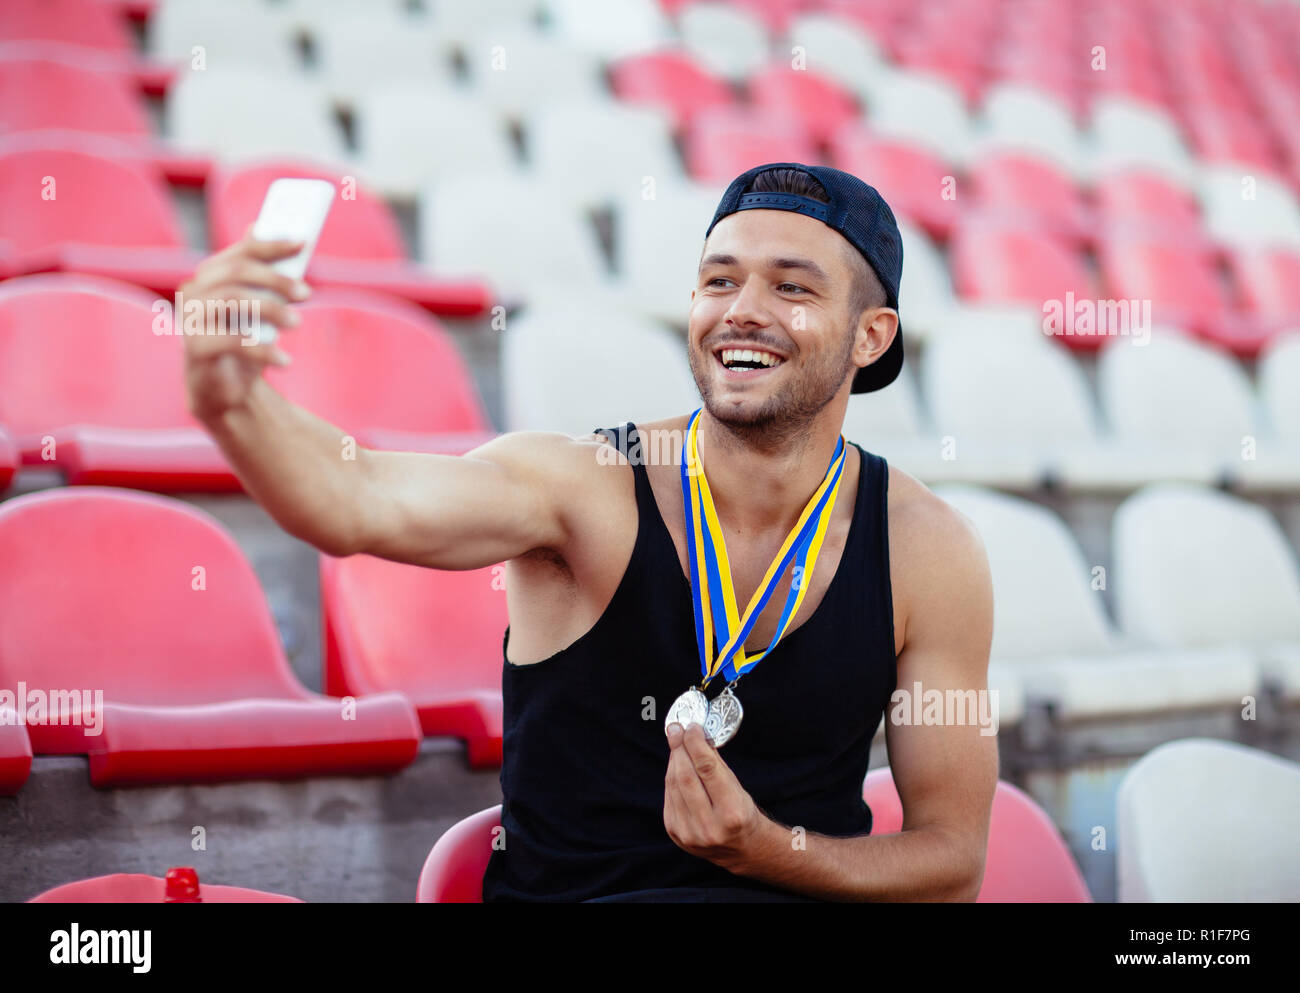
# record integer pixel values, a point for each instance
(294, 210)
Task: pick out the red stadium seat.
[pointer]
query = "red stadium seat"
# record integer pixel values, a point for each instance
(453, 872)
(435, 636)
(9, 459)
(1027, 861)
(90, 23)
(129, 887)
(1144, 200)
(672, 80)
(724, 142)
(91, 204)
(1022, 185)
(71, 96)
(996, 262)
(360, 245)
(909, 177)
(15, 752)
(151, 603)
(1268, 285)
(80, 362)
(820, 103)
(1220, 134)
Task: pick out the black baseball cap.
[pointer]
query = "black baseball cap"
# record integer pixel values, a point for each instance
(860, 214)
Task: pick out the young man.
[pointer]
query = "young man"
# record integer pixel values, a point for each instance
(628, 579)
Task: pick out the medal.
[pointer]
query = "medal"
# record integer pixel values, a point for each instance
(714, 598)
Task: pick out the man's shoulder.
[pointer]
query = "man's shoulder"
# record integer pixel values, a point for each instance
(932, 533)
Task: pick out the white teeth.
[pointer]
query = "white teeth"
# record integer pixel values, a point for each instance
(731, 355)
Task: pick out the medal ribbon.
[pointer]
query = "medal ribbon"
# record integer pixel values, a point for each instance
(714, 596)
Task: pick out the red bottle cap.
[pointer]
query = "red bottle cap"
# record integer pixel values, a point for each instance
(182, 886)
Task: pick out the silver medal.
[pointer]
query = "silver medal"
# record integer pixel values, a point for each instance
(723, 719)
(692, 707)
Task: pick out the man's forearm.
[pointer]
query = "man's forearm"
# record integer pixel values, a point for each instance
(923, 864)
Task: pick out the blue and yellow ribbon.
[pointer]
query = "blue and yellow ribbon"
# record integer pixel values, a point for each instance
(713, 593)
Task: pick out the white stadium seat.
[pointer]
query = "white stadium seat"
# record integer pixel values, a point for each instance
(588, 25)
(1201, 820)
(517, 72)
(1127, 132)
(361, 53)
(512, 231)
(921, 108)
(836, 47)
(726, 40)
(409, 135)
(925, 296)
(1244, 206)
(241, 113)
(1028, 119)
(1279, 386)
(573, 364)
(596, 153)
(235, 34)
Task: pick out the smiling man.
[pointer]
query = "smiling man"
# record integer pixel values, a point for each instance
(700, 647)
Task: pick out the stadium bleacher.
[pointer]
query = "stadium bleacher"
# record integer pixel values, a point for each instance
(538, 174)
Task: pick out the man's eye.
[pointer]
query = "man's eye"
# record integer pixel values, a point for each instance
(716, 280)
(790, 288)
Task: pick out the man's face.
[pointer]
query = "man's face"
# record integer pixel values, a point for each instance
(777, 283)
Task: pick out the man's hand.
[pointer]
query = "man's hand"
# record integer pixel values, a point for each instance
(706, 810)
(221, 364)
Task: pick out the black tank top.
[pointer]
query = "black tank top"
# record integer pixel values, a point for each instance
(584, 753)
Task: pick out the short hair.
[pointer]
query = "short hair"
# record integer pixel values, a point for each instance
(867, 291)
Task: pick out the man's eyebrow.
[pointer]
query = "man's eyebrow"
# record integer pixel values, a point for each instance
(805, 265)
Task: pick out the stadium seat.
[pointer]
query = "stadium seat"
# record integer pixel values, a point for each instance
(819, 101)
(360, 246)
(671, 80)
(724, 142)
(179, 640)
(129, 887)
(107, 211)
(1196, 567)
(1235, 136)
(88, 23)
(1167, 853)
(453, 871)
(465, 21)
(239, 34)
(72, 97)
(435, 636)
(409, 135)
(836, 47)
(1030, 120)
(1130, 132)
(586, 24)
(513, 232)
(725, 38)
(911, 178)
(516, 72)
(358, 52)
(1188, 406)
(1279, 385)
(555, 380)
(1142, 199)
(1027, 860)
(1267, 281)
(997, 262)
(10, 459)
(221, 112)
(15, 752)
(598, 153)
(926, 285)
(923, 109)
(1245, 208)
(1030, 188)
(657, 246)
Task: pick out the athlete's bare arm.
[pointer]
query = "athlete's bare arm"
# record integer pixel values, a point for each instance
(516, 493)
(945, 774)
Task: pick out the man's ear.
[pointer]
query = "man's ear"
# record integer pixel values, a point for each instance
(875, 333)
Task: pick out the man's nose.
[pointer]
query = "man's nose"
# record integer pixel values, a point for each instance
(747, 309)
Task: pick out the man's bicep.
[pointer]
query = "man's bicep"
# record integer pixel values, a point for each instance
(940, 728)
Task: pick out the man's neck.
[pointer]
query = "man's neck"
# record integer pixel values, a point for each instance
(760, 488)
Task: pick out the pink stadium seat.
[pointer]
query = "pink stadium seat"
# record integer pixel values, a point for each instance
(80, 363)
(996, 262)
(15, 752)
(453, 872)
(435, 636)
(71, 96)
(129, 887)
(1027, 861)
(909, 177)
(1230, 135)
(1024, 186)
(151, 602)
(723, 142)
(1268, 284)
(9, 459)
(1143, 200)
(671, 80)
(90, 204)
(360, 245)
(820, 103)
(90, 23)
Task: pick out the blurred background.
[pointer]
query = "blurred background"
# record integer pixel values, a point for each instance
(1100, 203)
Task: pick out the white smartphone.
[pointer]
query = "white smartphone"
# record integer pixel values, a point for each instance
(294, 210)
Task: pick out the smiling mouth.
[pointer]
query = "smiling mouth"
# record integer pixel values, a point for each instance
(747, 359)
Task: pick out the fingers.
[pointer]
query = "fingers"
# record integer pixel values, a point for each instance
(242, 270)
(682, 774)
(269, 250)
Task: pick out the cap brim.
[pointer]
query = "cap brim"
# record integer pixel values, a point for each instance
(884, 370)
